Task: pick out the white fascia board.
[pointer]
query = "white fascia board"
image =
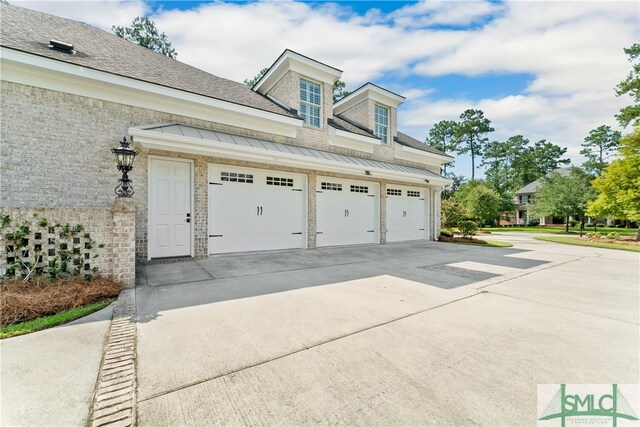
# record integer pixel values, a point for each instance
(150, 140)
(298, 63)
(408, 153)
(341, 138)
(368, 91)
(33, 70)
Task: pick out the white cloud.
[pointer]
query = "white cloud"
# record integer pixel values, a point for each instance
(99, 13)
(452, 13)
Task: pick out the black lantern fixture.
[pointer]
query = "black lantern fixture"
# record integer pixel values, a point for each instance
(125, 156)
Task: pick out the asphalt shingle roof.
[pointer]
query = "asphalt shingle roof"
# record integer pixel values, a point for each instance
(533, 186)
(30, 31)
(409, 141)
(341, 123)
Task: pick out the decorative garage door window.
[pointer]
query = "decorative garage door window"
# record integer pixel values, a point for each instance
(413, 193)
(331, 186)
(283, 182)
(393, 192)
(359, 189)
(236, 177)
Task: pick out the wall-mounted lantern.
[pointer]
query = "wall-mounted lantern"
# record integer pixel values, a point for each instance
(125, 156)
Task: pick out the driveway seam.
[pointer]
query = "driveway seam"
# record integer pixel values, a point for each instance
(235, 371)
(562, 308)
(114, 401)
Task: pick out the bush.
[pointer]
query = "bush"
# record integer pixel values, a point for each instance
(594, 235)
(446, 233)
(534, 223)
(619, 225)
(467, 228)
(21, 301)
(573, 223)
(613, 236)
(589, 224)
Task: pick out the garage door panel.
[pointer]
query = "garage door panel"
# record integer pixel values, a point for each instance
(347, 212)
(406, 213)
(261, 213)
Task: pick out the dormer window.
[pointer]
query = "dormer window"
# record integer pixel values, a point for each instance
(310, 102)
(382, 123)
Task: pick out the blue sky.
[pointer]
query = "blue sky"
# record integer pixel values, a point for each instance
(542, 69)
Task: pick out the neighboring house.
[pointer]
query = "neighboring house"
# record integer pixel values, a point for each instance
(222, 167)
(526, 194)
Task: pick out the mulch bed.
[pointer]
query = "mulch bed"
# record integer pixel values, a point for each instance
(462, 240)
(21, 301)
(625, 240)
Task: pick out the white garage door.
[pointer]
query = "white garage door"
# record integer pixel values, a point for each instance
(255, 210)
(406, 213)
(346, 212)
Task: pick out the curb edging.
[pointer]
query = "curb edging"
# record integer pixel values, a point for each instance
(114, 402)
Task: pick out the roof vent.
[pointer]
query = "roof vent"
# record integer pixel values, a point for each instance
(61, 46)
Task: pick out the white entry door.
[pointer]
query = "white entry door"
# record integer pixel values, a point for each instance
(406, 213)
(170, 216)
(346, 212)
(255, 209)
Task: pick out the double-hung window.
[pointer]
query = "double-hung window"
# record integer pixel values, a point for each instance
(382, 123)
(310, 102)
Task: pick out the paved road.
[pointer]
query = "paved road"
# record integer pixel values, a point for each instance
(400, 334)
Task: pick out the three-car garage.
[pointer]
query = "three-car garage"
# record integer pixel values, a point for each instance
(257, 209)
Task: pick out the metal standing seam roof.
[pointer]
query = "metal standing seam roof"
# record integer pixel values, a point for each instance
(210, 135)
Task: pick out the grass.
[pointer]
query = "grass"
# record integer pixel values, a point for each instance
(490, 243)
(574, 241)
(561, 230)
(53, 320)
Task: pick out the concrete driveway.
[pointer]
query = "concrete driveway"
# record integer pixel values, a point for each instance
(400, 334)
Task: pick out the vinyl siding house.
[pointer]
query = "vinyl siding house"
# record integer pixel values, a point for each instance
(221, 167)
(525, 196)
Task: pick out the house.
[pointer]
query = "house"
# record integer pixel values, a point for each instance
(525, 195)
(221, 167)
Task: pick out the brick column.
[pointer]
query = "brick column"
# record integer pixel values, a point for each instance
(311, 213)
(436, 213)
(383, 212)
(124, 241)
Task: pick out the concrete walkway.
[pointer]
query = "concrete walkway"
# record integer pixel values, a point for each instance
(416, 333)
(48, 377)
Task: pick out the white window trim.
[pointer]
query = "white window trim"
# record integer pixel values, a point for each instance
(388, 125)
(321, 114)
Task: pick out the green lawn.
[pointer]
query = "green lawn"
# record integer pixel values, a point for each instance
(561, 230)
(53, 320)
(574, 241)
(490, 243)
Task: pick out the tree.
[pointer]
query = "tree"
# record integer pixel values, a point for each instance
(442, 136)
(470, 135)
(252, 82)
(601, 143)
(144, 32)
(449, 191)
(451, 213)
(618, 186)
(537, 161)
(631, 86)
(563, 196)
(338, 91)
(500, 157)
(481, 202)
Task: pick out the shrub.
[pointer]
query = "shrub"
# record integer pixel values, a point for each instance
(21, 301)
(573, 223)
(589, 224)
(534, 223)
(467, 228)
(446, 233)
(594, 235)
(613, 236)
